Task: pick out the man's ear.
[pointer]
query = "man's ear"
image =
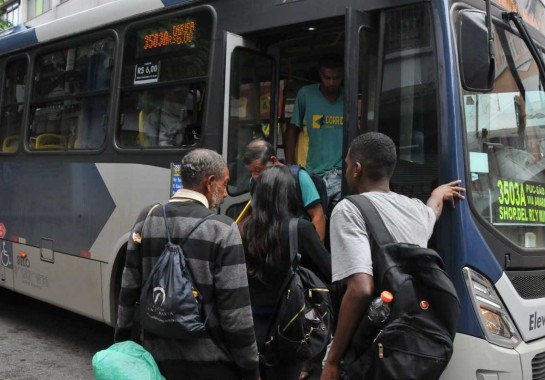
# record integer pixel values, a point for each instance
(206, 184)
(209, 180)
(358, 169)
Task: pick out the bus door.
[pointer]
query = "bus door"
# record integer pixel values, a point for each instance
(360, 75)
(248, 112)
(390, 61)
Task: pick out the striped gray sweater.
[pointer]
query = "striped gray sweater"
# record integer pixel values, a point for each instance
(215, 256)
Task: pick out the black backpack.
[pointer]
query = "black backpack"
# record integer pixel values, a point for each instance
(169, 303)
(302, 323)
(318, 182)
(416, 341)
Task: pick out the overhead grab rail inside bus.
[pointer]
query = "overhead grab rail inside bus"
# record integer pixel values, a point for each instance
(519, 24)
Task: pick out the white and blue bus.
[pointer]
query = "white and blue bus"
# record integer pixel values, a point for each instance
(458, 85)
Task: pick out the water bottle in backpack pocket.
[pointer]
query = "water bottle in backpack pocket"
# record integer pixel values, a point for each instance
(379, 309)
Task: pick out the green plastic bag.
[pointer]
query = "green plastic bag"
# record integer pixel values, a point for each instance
(125, 361)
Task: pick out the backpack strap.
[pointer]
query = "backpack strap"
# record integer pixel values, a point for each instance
(190, 232)
(294, 170)
(373, 221)
(294, 260)
(294, 241)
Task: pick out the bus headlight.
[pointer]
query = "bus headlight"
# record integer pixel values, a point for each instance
(492, 314)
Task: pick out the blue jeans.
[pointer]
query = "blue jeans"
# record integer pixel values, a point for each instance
(333, 180)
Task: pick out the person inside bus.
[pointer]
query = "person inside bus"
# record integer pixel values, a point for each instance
(227, 349)
(260, 154)
(165, 126)
(265, 238)
(370, 163)
(319, 108)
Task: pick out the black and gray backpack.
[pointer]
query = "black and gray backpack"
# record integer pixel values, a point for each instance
(416, 341)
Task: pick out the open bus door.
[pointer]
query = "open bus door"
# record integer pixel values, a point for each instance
(249, 112)
(253, 78)
(360, 76)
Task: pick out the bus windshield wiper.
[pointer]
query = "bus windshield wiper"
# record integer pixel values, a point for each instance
(519, 23)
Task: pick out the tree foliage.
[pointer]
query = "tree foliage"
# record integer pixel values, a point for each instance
(4, 24)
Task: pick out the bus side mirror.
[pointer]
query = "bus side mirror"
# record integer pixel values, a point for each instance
(476, 58)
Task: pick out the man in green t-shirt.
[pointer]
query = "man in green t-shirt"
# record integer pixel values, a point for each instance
(319, 107)
(260, 154)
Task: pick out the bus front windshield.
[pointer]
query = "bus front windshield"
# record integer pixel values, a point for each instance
(505, 132)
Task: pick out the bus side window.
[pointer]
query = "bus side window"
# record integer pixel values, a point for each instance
(71, 96)
(49, 75)
(11, 109)
(92, 123)
(133, 112)
(168, 116)
(163, 85)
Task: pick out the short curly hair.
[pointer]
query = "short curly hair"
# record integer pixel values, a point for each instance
(198, 164)
(377, 152)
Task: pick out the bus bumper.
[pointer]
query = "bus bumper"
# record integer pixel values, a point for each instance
(475, 358)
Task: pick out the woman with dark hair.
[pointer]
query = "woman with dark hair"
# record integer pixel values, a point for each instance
(266, 241)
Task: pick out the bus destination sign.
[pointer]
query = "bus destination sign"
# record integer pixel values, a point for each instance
(178, 34)
(520, 203)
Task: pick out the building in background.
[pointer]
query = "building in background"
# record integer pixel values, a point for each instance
(36, 12)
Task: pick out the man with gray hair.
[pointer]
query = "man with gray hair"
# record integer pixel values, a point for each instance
(216, 260)
(260, 154)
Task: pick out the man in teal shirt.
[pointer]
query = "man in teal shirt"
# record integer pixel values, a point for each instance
(319, 107)
(260, 154)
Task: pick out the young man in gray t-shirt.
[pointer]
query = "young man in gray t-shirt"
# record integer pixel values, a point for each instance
(370, 163)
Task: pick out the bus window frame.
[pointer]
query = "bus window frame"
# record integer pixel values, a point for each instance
(507, 252)
(272, 138)
(59, 46)
(3, 68)
(355, 21)
(120, 89)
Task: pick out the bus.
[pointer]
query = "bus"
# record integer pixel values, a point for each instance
(458, 86)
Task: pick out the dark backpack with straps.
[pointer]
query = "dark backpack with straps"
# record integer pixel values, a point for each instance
(301, 325)
(318, 183)
(169, 302)
(416, 341)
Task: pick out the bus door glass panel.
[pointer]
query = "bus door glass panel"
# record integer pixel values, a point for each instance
(12, 105)
(70, 97)
(408, 99)
(368, 80)
(250, 113)
(361, 74)
(505, 133)
(164, 82)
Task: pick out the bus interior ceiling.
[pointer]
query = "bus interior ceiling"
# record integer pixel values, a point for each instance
(300, 48)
